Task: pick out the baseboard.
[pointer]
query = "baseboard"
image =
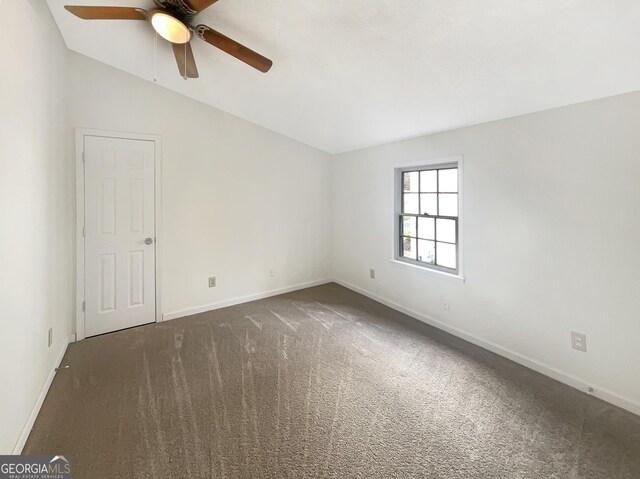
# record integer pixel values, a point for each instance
(568, 379)
(241, 299)
(43, 394)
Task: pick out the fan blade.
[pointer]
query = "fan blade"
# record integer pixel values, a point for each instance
(233, 48)
(180, 52)
(199, 5)
(107, 13)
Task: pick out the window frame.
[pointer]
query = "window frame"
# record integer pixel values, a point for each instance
(434, 164)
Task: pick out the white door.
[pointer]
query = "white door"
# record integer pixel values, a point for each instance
(119, 233)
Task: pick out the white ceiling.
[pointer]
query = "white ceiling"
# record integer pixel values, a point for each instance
(354, 73)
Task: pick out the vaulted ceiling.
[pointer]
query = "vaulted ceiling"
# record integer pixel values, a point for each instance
(354, 73)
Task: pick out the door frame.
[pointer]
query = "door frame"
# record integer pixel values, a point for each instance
(81, 133)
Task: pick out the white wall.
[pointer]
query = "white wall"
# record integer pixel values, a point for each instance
(551, 235)
(237, 199)
(36, 209)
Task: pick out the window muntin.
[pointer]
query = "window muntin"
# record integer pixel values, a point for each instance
(428, 217)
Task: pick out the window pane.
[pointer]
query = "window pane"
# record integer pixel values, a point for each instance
(429, 181)
(448, 204)
(448, 180)
(410, 203)
(409, 248)
(446, 230)
(409, 226)
(426, 228)
(429, 204)
(426, 251)
(446, 255)
(410, 181)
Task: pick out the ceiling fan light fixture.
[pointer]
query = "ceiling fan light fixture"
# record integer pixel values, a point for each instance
(170, 28)
(168, 20)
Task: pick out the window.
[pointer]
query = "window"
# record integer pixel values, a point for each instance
(427, 216)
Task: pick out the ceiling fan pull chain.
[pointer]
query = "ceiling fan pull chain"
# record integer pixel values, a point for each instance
(155, 48)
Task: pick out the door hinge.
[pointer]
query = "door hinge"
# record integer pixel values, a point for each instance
(83, 235)
(84, 305)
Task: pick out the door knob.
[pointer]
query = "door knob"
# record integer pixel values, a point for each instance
(148, 241)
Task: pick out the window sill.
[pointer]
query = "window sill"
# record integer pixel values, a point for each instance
(441, 274)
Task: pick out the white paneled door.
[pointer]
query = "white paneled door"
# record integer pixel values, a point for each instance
(119, 233)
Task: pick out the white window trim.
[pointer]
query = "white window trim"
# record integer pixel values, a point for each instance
(397, 201)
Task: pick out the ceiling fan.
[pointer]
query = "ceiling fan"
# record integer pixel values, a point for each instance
(171, 19)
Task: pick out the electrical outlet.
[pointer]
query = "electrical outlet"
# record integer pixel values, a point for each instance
(212, 282)
(50, 337)
(445, 305)
(372, 273)
(579, 341)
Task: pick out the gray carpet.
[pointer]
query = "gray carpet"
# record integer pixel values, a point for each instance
(320, 383)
